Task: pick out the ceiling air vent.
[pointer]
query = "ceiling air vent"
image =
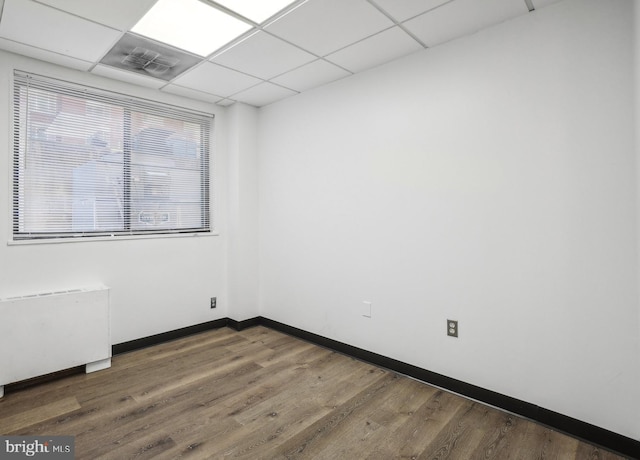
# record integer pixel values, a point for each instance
(146, 57)
(149, 61)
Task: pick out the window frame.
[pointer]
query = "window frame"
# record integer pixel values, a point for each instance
(91, 94)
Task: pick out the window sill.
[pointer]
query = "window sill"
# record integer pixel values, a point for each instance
(89, 239)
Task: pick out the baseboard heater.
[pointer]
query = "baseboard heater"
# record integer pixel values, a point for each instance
(53, 331)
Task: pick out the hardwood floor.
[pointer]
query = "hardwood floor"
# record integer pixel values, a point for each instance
(260, 394)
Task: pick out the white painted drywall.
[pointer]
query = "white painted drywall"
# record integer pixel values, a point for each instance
(491, 180)
(243, 212)
(157, 285)
(636, 16)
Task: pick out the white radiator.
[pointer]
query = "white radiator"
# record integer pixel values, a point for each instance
(53, 331)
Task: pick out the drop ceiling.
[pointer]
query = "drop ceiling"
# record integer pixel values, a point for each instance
(305, 44)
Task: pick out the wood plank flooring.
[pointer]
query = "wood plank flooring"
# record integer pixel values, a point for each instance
(260, 394)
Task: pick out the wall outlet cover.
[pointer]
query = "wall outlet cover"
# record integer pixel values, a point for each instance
(452, 328)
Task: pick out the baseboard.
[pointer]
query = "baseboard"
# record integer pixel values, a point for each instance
(156, 339)
(247, 323)
(606, 439)
(23, 384)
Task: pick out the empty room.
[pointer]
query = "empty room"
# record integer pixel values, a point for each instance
(328, 229)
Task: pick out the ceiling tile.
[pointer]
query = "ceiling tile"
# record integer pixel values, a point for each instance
(44, 55)
(263, 94)
(129, 77)
(215, 79)
(56, 31)
(324, 26)
(543, 3)
(349, 36)
(191, 93)
(378, 49)
(119, 14)
(401, 10)
(311, 75)
(263, 56)
(462, 17)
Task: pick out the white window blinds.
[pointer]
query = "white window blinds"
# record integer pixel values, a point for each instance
(89, 162)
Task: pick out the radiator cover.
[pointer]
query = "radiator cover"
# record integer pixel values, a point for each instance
(52, 331)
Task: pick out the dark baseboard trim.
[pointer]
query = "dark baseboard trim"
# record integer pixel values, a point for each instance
(23, 384)
(606, 439)
(183, 332)
(247, 323)
(167, 336)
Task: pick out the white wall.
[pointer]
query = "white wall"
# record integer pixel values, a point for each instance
(157, 285)
(636, 17)
(243, 212)
(490, 180)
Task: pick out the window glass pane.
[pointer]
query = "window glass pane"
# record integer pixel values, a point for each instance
(165, 171)
(61, 180)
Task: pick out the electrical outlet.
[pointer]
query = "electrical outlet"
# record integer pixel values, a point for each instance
(452, 328)
(213, 302)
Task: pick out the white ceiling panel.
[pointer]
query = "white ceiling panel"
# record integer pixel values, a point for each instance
(263, 56)
(44, 55)
(311, 75)
(263, 94)
(543, 3)
(55, 31)
(324, 26)
(215, 79)
(378, 49)
(191, 93)
(306, 43)
(119, 14)
(401, 10)
(462, 17)
(129, 77)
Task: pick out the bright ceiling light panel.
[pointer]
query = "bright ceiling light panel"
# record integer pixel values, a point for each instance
(256, 10)
(190, 25)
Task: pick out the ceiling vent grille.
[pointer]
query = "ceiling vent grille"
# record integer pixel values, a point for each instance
(149, 61)
(143, 56)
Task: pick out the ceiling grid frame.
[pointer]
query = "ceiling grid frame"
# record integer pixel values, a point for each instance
(360, 24)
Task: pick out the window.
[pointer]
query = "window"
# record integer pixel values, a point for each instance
(93, 163)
